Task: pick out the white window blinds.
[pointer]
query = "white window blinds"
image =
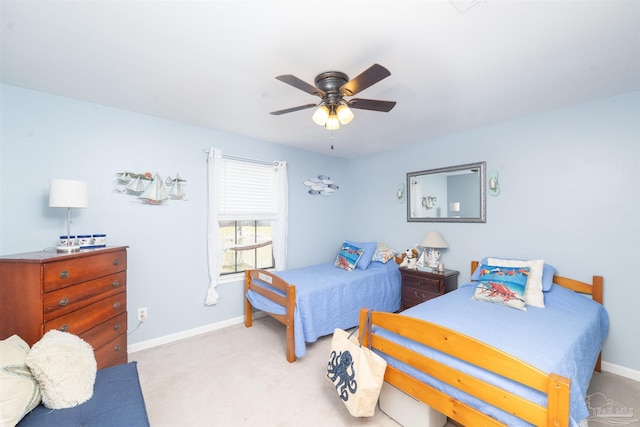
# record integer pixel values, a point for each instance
(249, 191)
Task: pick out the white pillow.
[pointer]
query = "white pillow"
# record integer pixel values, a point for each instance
(65, 367)
(533, 291)
(19, 391)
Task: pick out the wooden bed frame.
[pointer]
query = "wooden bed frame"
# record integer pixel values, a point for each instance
(288, 301)
(557, 388)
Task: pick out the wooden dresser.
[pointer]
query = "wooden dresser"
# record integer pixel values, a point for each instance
(83, 293)
(420, 286)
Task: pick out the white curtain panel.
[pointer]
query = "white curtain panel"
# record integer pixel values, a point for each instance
(214, 241)
(280, 227)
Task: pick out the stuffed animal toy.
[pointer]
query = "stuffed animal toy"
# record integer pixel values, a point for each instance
(409, 259)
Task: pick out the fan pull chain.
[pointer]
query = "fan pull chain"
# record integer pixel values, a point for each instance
(332, 140)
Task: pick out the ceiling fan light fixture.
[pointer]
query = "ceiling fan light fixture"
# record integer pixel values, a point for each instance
(345, 115)
(321, 115)
(333, 123)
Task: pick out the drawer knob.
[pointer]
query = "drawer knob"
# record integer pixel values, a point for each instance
(115, 284)
(116, 261)
(64, 328)
(116, 305)
(63, 302)
(117, 347)
(419, 295)
(64, 274)
(116, 326)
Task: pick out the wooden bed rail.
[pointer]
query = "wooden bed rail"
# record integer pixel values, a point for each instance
(286, 298)
(556, 387)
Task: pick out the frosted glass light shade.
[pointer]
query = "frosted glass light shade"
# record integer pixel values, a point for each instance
(345, 115)
(67, 193)
(332, 122)
(321, 115)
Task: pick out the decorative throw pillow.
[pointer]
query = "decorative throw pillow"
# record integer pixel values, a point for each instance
(368, 249)
(547, 273)
(503, 285)
(383, 253)
(533, 292)
(19, 391)
(65, 367)
(348, 257)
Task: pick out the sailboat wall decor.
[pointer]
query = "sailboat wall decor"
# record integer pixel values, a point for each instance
(150, 188)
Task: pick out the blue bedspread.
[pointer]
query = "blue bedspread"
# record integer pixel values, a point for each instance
(564, 338)
(328, 297)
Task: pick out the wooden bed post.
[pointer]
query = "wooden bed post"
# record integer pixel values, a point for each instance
(558, 398)
(597, 295)
(291, 306)
(248, 309)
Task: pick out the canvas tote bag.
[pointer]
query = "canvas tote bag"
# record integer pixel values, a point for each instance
(356, 372)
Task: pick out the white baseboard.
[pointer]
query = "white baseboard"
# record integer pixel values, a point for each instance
(132, 348)
(632, 374)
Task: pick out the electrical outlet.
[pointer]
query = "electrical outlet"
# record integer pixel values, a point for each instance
(142, 314)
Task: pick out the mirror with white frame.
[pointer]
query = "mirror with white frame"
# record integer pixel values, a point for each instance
(450, 194)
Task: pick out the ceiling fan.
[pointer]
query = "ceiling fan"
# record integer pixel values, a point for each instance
(332, 87)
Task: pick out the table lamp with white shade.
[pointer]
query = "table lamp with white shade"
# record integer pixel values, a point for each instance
(433, 241)
(67, 193)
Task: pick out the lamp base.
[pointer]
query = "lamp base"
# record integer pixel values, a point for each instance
(68, 249)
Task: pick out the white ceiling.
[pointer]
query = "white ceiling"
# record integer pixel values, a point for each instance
(455, 65)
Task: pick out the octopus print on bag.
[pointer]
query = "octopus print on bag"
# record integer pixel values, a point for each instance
(341, 369)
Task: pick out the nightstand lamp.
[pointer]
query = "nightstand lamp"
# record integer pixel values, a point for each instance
(434, 242)
(66, 193)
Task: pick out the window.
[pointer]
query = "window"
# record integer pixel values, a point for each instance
(246, 213)
(246, 245)
(247, 216)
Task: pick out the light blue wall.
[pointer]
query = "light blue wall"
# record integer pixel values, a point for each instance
(570, 194)
(45, 136)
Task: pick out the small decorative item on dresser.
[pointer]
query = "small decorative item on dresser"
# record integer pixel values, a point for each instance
(99, 240)
(419, 286)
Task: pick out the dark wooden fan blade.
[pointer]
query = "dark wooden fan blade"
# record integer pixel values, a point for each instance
(371, 104)
(292, 109)
(370, 76)
(299, 84)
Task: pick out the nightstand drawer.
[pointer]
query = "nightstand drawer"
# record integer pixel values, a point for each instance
(70, 271)
(422, 283)
(420, 286)
(413, 296)
(84, 319)
(71, 298)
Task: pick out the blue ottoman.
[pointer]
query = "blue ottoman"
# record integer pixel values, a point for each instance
(117, 401)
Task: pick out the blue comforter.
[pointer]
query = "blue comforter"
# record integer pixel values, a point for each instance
(328, 297)
(564, 338)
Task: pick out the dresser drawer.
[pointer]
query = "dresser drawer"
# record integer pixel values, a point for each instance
(104, 332)
(85, 318)
(422, 283)
(112, 353)
(70, 271)
(71, 298)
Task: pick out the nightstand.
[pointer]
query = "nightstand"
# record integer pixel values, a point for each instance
(420, 286)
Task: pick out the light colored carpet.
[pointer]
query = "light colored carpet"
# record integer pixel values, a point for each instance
(239, 376)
